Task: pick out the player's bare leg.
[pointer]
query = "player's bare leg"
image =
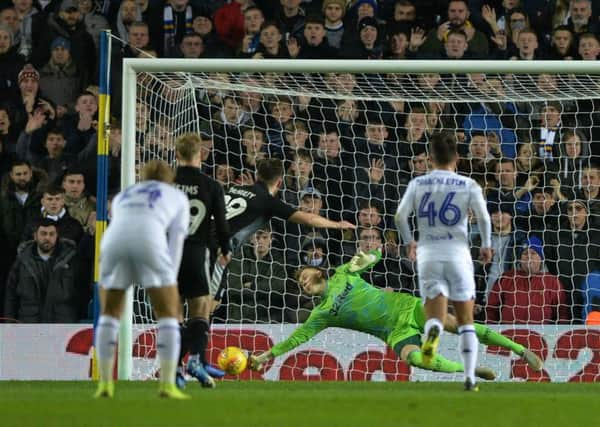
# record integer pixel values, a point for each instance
(111, 307)
(467, 339)
(435, 312)
(412, 355)
(165, 301)
(489, 337)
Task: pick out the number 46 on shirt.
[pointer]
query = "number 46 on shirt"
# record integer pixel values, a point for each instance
(448, 213)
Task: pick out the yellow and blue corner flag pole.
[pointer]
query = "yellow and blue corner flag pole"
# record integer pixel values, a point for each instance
(102, 174)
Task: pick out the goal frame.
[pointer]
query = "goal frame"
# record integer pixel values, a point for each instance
(132, 66)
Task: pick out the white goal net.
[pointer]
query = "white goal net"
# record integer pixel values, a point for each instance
(350, 143)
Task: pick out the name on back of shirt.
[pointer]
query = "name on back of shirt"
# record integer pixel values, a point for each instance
(188, 189)
(243, 193)
(442, 181)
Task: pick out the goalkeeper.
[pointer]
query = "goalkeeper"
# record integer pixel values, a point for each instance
(350, 302)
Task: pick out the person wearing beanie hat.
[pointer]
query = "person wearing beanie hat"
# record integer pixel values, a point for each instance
(527, 293)
(334, 11)
(61, 79)
(365, 8)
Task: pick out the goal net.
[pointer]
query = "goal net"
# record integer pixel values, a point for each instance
(351, 136)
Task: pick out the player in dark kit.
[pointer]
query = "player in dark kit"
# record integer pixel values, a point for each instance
(249, 207)
(206, 206)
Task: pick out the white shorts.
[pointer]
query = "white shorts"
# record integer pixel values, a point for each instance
(126, 261)
(453, 279)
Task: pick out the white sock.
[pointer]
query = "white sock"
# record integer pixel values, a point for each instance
(468, 346)
(433, 322)
(106, 342)
(168, 343)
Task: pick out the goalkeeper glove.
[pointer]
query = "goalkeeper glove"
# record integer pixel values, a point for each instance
(361, 260)
(256, 363)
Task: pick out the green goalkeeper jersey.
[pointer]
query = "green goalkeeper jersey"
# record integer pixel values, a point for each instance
(350, 302)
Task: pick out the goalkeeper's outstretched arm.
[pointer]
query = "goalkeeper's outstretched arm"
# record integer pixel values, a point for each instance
(313, 325)
(360, 262)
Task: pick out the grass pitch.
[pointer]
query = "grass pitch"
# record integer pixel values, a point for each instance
(243, 404)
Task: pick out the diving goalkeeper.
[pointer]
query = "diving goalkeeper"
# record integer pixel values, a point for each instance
(350, 302)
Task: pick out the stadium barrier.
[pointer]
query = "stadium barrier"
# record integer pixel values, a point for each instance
(570, 354)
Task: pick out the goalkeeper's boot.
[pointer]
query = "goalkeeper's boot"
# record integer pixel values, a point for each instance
(170, 391)
(213, 371)
(105, 389)
(471, 386)
(429, 347)
(485, 373)
(180, 378)
(532, 360)
(196, 370)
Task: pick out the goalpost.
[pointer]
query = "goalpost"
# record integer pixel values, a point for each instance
(164, 98)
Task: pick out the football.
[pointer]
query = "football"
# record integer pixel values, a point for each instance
(232, 360)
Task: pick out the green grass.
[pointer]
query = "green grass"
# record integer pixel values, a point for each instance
(244, 404)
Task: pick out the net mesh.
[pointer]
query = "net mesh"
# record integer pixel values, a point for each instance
(351, 143)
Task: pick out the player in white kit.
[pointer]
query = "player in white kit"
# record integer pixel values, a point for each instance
(143, 244)
(441, 201)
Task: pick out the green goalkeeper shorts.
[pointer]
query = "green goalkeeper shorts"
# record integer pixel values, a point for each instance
(408, 328)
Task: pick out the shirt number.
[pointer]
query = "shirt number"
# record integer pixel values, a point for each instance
(234, 206)
(448, 214)
(197, 214)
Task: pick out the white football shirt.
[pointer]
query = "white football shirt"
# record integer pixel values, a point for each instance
(441, 201)
(163, 210)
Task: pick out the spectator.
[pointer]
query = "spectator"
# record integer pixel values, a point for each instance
(399, 44)
(296, 138)
(79, 206)
(128, 15)
(590, 185)
(581, 17)
(480, 153)
(256, 282)
(31, 111)
(589, 47)
(11, 62)
(43, 284)
(31, 21)
(53, 207)
(168, 24)
(298, 177)
(574, 157)
(573, 252)
(505, 240)
(19, 203)
(80, 126)
(94, 21)
(192, 46)
(56, 161)
(367, 46)
(543, 214)
(8, 140)
(61, 79)
(66, 23)
(527, 45)
(563, 44)
(290, 19)
(334, 11)
(507, 190)
(458, 20)
(528, 163)
(204, 26)
(404, 13)
(270, 45)
(229, 22)
(314, 45)
(334, 171)
(253, 21)
(528, 294)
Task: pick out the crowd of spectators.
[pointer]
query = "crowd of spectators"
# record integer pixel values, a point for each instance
(345, 158)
